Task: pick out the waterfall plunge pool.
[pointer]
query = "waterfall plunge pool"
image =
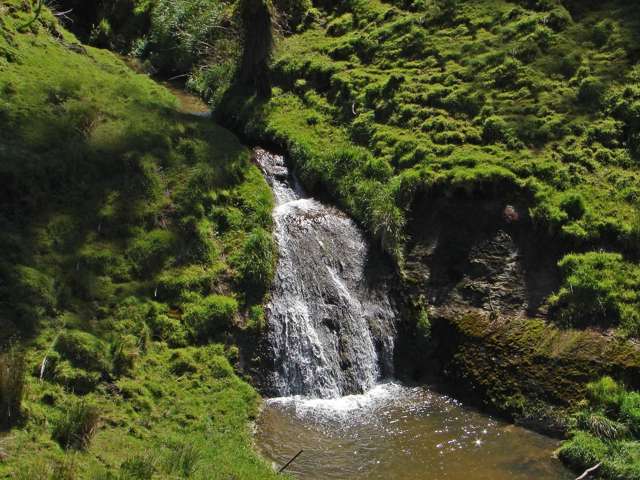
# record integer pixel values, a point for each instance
(394, 432)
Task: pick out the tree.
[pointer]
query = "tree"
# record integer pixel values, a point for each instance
(257, 19)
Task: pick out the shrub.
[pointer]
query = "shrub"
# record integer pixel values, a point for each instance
(183, 33)
(601, 426)
(182, 363)
(66, 469)
(293, 11)
(34, 295)
(194, 278)
(12, 372)
(83, 350)
(601, 32)
(168, 329)
(138, 468)
(599, 288)
(340, 25)
(495, 129)
(210, 316)
(630, 411)
(256, 320)
(77, 425)
(363, 128)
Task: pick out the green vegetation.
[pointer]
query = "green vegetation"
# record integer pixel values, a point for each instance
(135, 239)
(383, 104)
(606, 430)
(600, 288)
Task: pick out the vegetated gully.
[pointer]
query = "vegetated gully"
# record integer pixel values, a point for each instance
(331, 338)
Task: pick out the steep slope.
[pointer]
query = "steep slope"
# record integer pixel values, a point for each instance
(134, 239)
(491, 148)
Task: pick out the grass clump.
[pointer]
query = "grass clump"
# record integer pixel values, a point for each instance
(83, 350)
(12, 385)
(606, 432)
(77, 425)
(599, 289)
(209, 316)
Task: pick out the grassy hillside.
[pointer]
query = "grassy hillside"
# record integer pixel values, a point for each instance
(533, 103)
(393, 108)
(134, 239)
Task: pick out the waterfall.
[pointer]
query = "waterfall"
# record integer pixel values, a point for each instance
(330, 316)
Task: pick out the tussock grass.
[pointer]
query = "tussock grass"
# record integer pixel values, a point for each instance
(12, 386)
(77, 425)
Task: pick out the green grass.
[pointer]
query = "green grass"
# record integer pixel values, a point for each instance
(125, 226)
(607, 430)
(381, 103)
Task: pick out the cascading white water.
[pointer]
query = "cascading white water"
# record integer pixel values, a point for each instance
(331, 320)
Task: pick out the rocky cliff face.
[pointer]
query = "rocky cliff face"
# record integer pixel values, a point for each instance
(484, 274)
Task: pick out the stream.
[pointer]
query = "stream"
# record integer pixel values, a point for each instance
(331, 338)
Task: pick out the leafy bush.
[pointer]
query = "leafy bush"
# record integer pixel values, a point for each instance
(601, 426)
(495, 129)
(257, 318)
(293, 11)
(77, 425)
(605, 393)
(138, 468)
(184, 33)
(83, 350)
(193, 278)
(168, 329)
(209, 316)
(573, 205)
(582, 451)
(340, 25)
(12, 372)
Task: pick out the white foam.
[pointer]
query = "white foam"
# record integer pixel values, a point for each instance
(380, 394)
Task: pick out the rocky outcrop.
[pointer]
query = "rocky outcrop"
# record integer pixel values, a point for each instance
(484, 275)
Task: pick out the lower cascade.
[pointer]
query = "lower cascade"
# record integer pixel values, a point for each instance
(331, 316)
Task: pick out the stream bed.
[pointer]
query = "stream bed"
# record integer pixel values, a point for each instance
(400, 433)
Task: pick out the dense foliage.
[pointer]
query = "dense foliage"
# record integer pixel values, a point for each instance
(135, 239)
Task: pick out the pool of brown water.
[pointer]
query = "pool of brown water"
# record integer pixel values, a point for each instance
(401, 433)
